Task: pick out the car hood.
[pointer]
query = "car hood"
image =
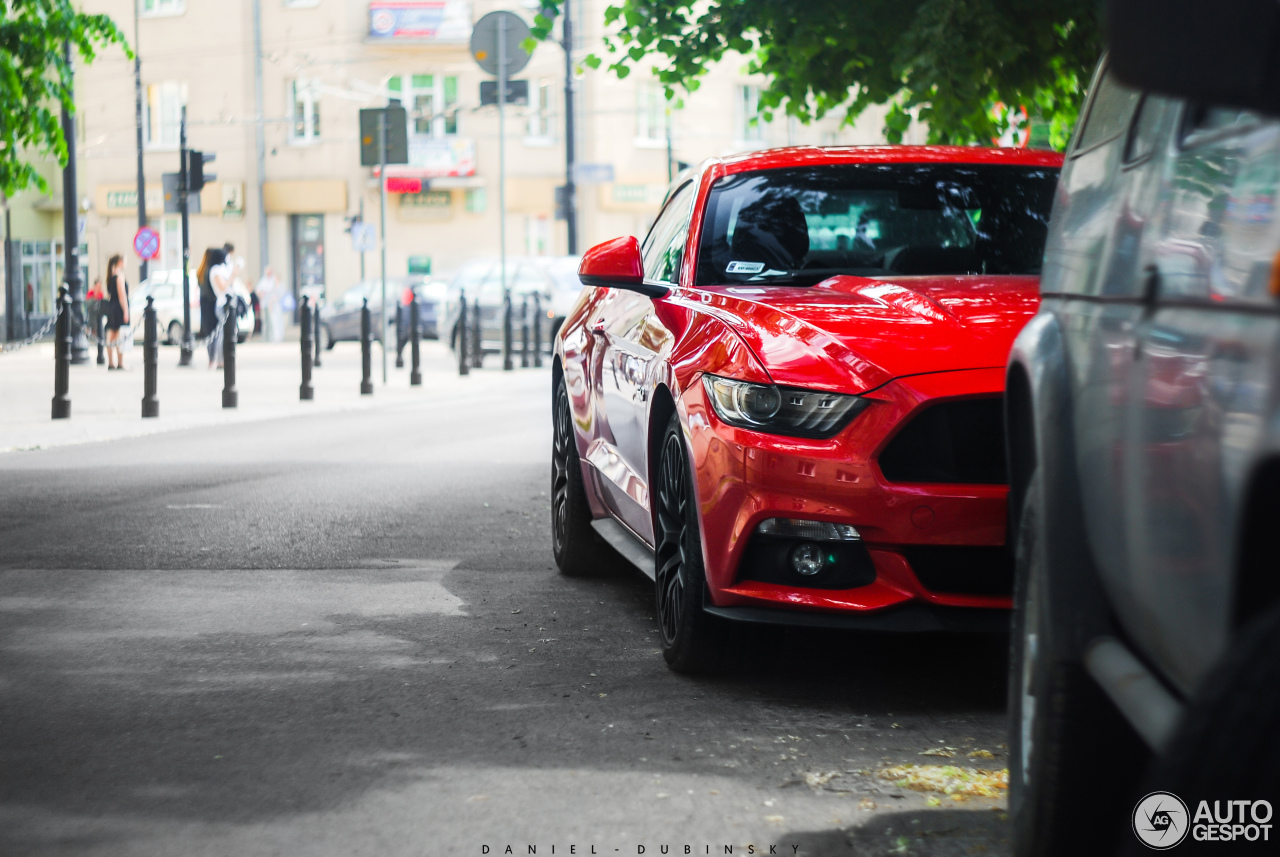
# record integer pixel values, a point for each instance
(854, 334)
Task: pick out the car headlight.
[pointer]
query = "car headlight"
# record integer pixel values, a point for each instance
(781, 410)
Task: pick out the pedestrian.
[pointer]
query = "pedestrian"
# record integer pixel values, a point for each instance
(272, 297)
(117, 310)
(215, 289)
(208, 300)
(256, 303)
(95, 303)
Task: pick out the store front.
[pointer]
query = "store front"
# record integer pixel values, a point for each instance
(306, 238)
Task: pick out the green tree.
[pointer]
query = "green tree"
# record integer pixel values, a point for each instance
(35, 82)
(945, 63)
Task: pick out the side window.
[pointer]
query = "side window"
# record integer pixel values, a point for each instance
(1148, 127)
(663, 249)
(1109, 112)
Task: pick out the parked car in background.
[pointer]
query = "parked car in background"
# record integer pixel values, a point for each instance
(1143, 423)
(165, 287)
(548, 277)
(565, 287)
(340, 321)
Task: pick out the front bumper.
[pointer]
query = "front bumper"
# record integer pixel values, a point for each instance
(744, 477)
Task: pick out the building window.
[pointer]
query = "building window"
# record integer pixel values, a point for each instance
(164, 113)
(158, 8)
(750, 122)
(300, 4)
(540, 113)
(304, 127)
(432, 101)
(651, 115)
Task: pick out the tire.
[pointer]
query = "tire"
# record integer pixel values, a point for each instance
(174, 332)
(1072, 756)
(1224, 746)
(577, 548)
(692, 641)
(326, 338)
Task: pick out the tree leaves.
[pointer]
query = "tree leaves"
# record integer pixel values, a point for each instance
(35, 82)
(945, 63)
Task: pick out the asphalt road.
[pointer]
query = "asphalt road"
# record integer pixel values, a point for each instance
(344, 635)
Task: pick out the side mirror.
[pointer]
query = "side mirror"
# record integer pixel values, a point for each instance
(1222, 53)
(616, 264)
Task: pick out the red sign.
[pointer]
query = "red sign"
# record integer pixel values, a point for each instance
(403, 184)
(146, 243)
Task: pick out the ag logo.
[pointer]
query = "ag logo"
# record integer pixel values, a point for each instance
(1161, 821)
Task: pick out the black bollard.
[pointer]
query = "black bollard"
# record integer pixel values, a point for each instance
(230, 331)
(305, 392)
(399, 335)
(464, 365)
(366, 351)
(315, 329)
(415, 355)
(62, 357)
(102, 335)
(477, 337)
(150, 357)
(507, 363)
(537, 330)
(524, 332)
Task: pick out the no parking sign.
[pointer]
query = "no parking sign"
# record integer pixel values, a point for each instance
(146, 243)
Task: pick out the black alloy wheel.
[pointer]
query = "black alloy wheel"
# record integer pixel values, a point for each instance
(175, 332)
(577, 549)
(326, 338)
(692, 641)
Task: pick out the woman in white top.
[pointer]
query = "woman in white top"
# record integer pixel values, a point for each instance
(220, 277)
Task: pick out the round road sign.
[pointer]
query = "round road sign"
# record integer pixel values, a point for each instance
(146, 243)
(484, 42)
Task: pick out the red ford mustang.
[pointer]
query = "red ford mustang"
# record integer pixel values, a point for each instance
(785, 404)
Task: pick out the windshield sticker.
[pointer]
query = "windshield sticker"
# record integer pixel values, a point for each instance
(744, 268)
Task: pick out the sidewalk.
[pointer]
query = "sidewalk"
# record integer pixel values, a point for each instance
(107, 405)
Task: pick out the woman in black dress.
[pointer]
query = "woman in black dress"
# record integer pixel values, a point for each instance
(117, 310)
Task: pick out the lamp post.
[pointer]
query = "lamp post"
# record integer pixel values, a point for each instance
(71, 225)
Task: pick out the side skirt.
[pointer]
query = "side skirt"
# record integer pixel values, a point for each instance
(626, 543)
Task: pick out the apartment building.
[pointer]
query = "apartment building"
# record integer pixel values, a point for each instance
(321, 62)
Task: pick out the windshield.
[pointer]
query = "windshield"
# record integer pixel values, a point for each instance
(800, 226)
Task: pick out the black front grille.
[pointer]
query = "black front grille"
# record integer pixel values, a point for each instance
(962, 570)
(959, 441)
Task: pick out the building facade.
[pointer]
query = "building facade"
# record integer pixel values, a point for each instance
(321, 62)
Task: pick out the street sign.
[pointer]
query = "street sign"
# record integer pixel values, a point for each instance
(146, 243)
(484, 41)
(397, 135)
(517, 92)
(172, 200)
(586, 173)
(364, 238)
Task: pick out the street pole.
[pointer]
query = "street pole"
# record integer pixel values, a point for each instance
(382, 201)
(71, 225)
(502, 186)
(260, 137)
(187, 344)
(137, 105)
(570, 192)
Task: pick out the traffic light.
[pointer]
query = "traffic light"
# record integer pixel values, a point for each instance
(197, 178)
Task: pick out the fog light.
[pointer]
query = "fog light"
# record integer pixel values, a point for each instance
(795, 528)
(807, 559)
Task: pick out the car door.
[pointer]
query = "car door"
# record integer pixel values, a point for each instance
(1201, 383)
(1089, 275)
(631, 338)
